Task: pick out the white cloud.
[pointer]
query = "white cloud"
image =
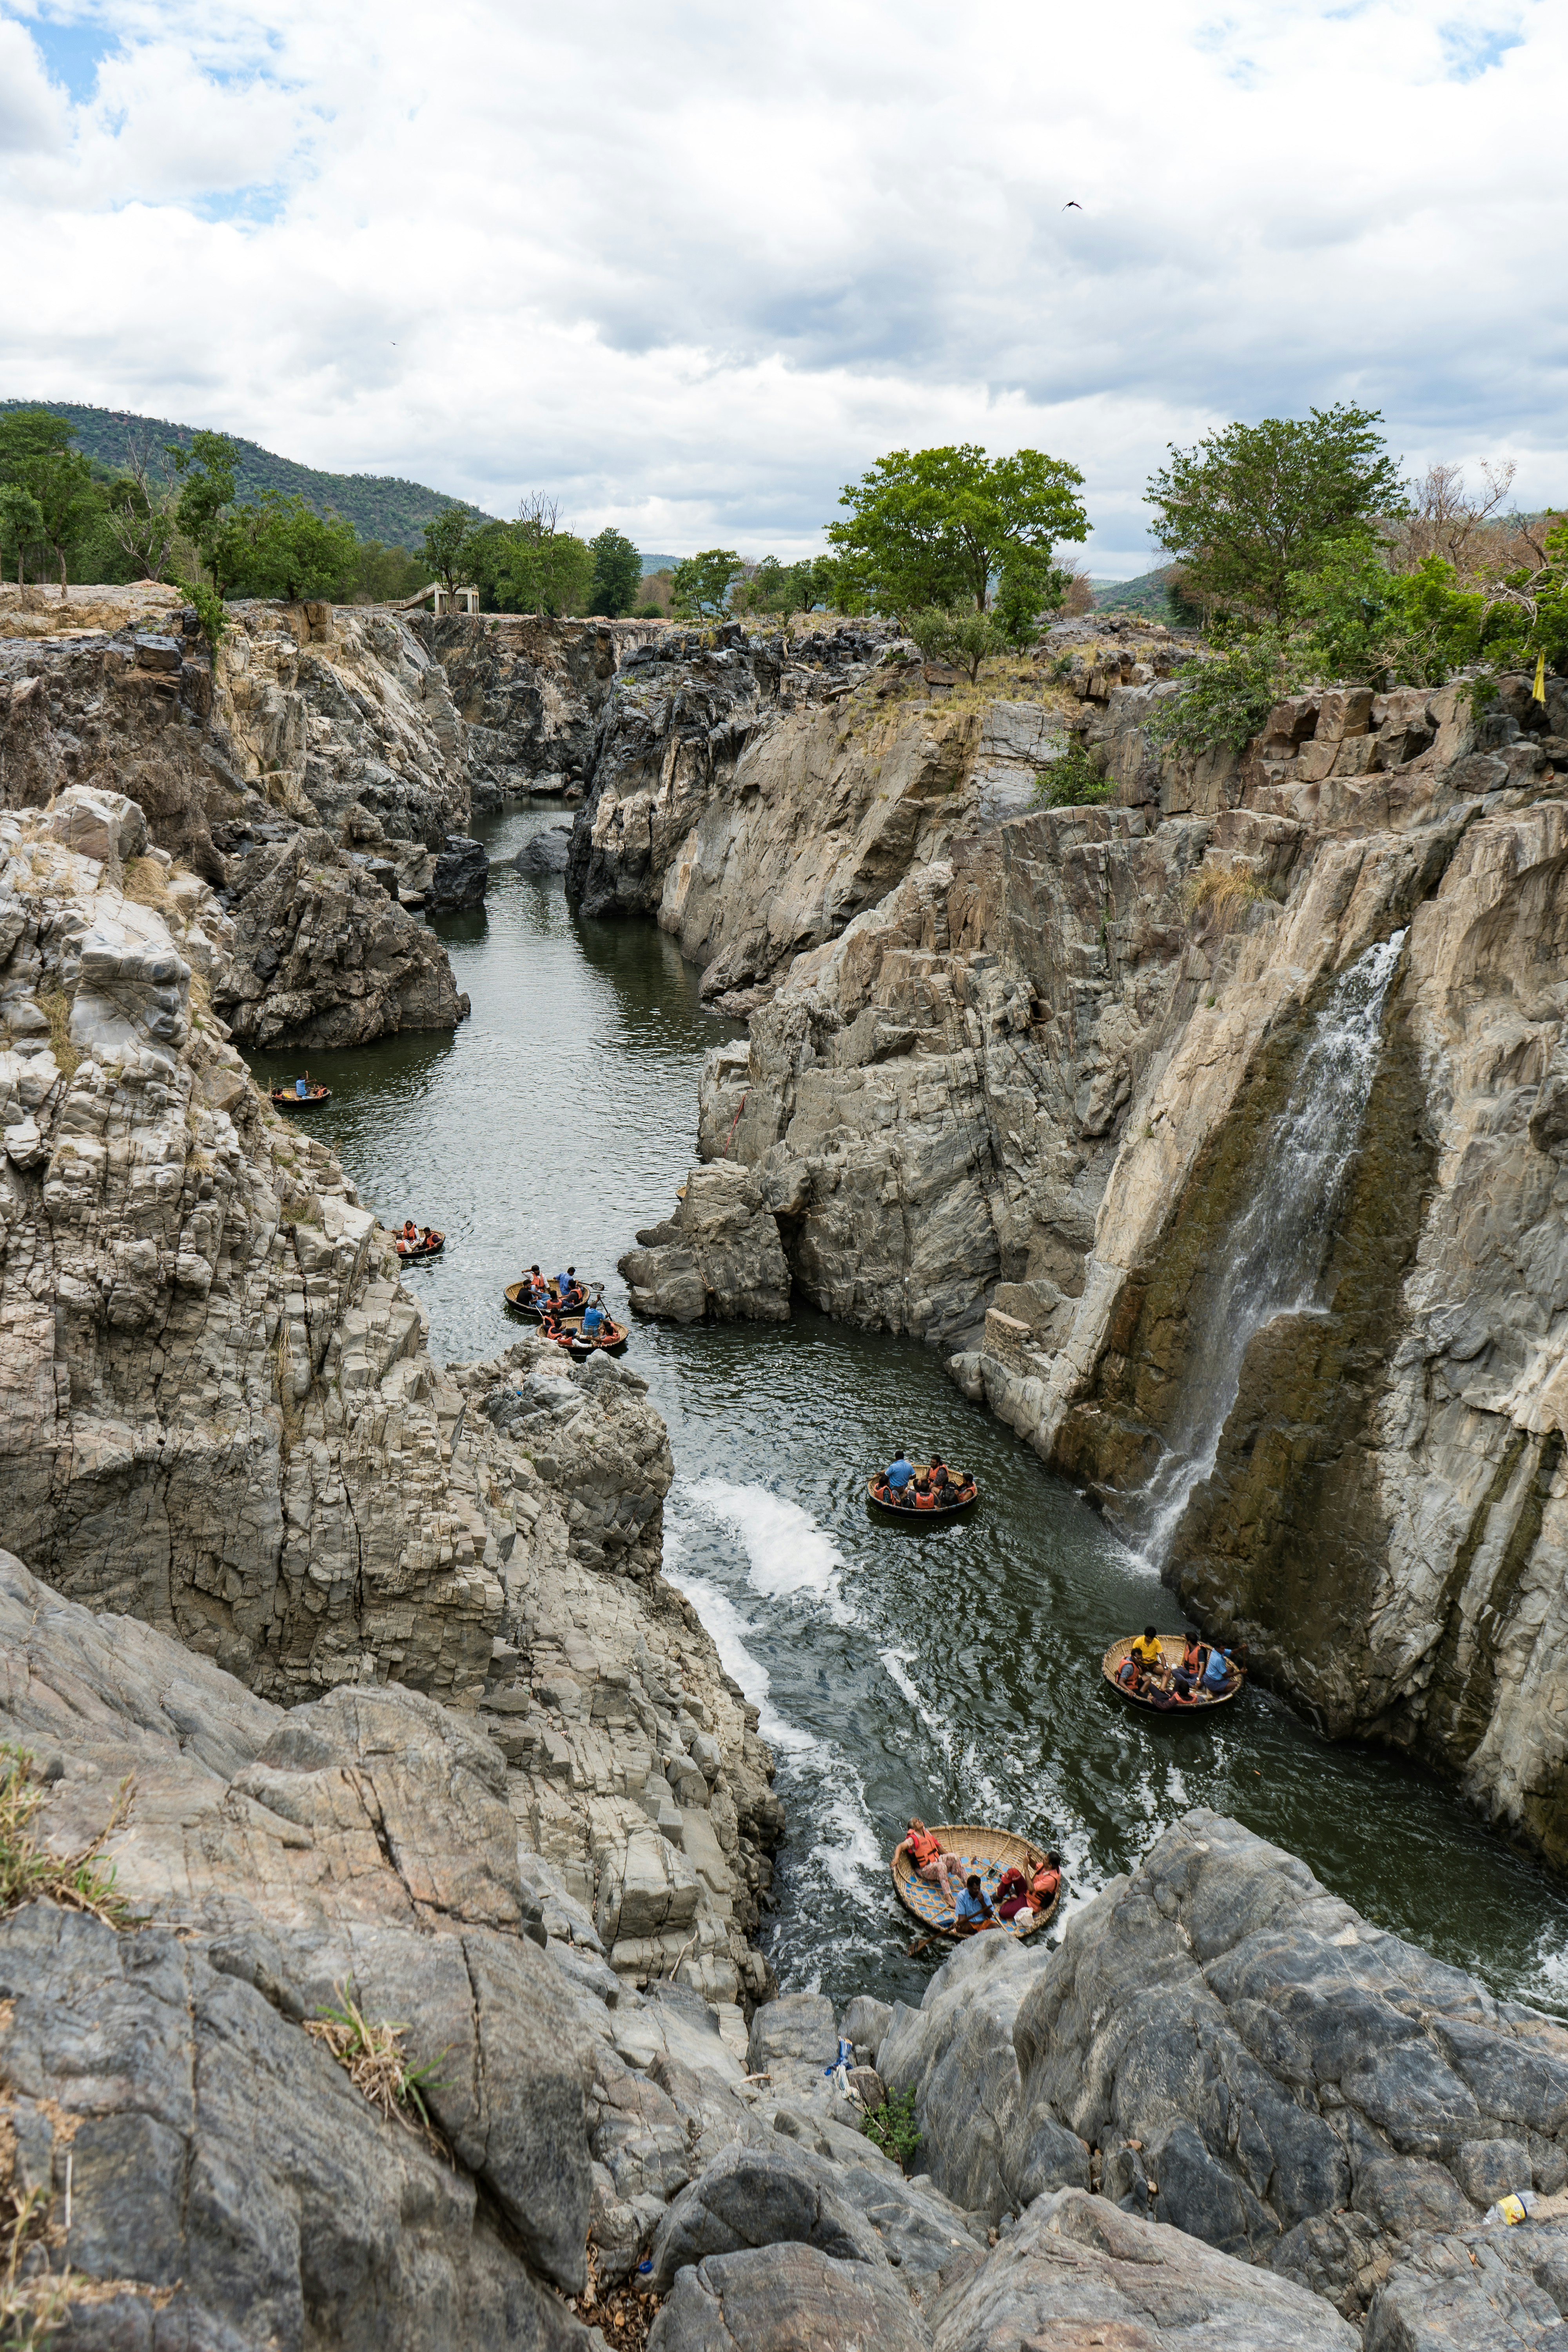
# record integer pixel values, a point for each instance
(692, 268)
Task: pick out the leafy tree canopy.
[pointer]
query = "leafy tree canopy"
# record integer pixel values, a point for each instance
(1253, 507)
(282, 547)
(448, 544)
(618, 573)
(938, 527)
(56, 492)
(702, 582)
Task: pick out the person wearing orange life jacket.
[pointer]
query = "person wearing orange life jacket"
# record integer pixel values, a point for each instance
(933, 1862)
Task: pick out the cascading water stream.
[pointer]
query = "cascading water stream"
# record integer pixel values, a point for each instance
(1281, 1241)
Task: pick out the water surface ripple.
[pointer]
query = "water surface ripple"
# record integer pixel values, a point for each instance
(953, 1671)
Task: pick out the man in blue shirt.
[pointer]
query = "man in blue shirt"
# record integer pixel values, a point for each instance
(899, 1475)
(1218, 1674)
(972, 1911)
(592, 1317)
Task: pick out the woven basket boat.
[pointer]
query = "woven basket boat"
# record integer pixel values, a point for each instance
(413, 1250)
(285, 1098)
(523, 1304)
(939, 1514)
(611, 1341)
(1173, 1649)
(986, 1851)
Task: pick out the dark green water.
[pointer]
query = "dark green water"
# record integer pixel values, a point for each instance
(953, 1673)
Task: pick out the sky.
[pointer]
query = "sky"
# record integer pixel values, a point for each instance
(689, 267)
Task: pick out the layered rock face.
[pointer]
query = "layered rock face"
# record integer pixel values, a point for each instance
(530, 693)
(1220, 2045)
(334, 721)
(1026, 1103)
(219, 1416)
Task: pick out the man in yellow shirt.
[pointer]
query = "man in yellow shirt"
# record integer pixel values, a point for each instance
(1147, 1650)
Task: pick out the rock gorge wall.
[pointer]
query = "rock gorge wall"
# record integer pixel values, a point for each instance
(1015, 1102)
(217, 1413)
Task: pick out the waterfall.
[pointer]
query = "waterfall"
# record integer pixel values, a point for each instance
(1278, 1244)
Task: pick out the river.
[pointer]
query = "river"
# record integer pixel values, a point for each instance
(954, 1672)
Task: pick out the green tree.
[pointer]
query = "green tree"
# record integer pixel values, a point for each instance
(447, 549)
(618, 573)
(1255, 506)
(1031, 585)
(390, 575)
(702, 582)
(940, 526)
(782, 589)
(280, 547)
(37, 458)
(205, 472)
(21, 525)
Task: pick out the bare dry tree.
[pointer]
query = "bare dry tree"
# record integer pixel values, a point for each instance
(1471, 530)
(144, 525)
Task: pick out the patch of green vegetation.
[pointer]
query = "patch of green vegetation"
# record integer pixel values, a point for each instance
(371, 2053)
(30, 1872)
(1073, 781)
(892, 2126)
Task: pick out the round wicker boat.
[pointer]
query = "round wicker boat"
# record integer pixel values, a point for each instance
(285, 1098)
(1173, 1649)
(411, 1251)
(986, 1851)
(521, 1305)
(937, 1516)
(610, 1340)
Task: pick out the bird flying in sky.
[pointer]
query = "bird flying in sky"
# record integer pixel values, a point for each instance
(1072, 206)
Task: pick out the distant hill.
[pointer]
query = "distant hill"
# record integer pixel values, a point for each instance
(658, 562)
(379, 505)
(1144, 595)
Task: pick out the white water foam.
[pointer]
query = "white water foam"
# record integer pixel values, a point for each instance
(788, 1554)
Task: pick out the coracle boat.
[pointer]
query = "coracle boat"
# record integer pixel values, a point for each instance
(285, 1098)
(409, 1251)
(908, 1517)
(610, 1340)
(1171, 1649)
(978, 1849)
(518, 1299)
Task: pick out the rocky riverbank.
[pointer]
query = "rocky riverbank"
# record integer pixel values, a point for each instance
(220, 1416)
(191, 2152)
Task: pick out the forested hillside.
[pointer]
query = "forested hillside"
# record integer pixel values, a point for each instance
(380, 506)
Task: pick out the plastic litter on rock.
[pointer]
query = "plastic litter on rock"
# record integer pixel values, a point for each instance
(1510, 2209)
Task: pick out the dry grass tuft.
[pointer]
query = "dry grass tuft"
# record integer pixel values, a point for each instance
(1217, 897)
(147, 882)
(371, 2054)
(55, 1007)
(29, 1873)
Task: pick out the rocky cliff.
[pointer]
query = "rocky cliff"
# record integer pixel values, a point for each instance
(1241, 1085)
(337, 723)
(219, 1415)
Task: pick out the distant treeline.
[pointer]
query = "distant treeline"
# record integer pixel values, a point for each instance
(380, 506)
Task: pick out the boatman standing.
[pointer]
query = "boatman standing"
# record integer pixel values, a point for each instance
(899, 1473)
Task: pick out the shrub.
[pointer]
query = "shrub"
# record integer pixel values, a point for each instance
(964, 639)
(1073, 781)
(893, 2128)
(1228, 698)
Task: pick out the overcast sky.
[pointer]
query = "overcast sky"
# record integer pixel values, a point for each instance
(691, 267)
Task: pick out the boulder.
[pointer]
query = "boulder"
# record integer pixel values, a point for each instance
(1076, 2271)
(1281, 2078)
(786, 2298)
(460, 878)
(102, 824)
(547, 852)
(864, 2024)
(956, 2053)
(718, 1256)
(760, 2197)
(798, 2027)
(1474, 2290)
(323, 957)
